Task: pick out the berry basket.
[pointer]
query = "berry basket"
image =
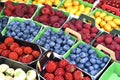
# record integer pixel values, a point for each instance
(87, 58)
(50, 57)
(55, 40)
(8, 66)
(81, 7)
(112, 72)
(27, 29)
(87, 31)
(50, 16)
(105, 21)
(17, 50)
(21, 10)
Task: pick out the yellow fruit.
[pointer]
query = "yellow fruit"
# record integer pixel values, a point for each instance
(68, 0)
(34, 2)
(78, 13)
(97, 26)
(42, 1)
(97, 14)
(81, 7)
(103, 14)
(108, 28)
(76, 8)
(73, 11)
(56, 2)
(92, 16)
(69, 8)
(102, 23)
(108, 18)
(52, 0)
(67, 4)
(112, 24)
(62, 8)
(49, 3)
(75, 3)
(117, 21)
(98, 20)
(88, 8)
(86, 12)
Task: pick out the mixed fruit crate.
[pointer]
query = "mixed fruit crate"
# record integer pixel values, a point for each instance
(80, 43)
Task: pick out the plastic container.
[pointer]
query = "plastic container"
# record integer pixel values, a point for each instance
(112, 72)
(15, 65)
(99, 53)
(21, 20)
(24, 43)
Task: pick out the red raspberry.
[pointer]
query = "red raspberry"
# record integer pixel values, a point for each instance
(56, 25)
(13, 56)
(108, 40)
(100, 39)
(45, 11)
(43, 18)
(7, 12)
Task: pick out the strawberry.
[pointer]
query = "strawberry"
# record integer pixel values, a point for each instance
(36, 54)
(78, 75)
(28, 50)
(86, 78)
(13, 46)
(49, 68)
(3, 46)
(100, 39)
(5, 53)
(8, 41)
(27, 58)
(68, 76)
(18, 50)
(49, 76)
(58, 78)
(59, 72)
(63, 63)
(70, 68)
(108, 40)
(13, 55)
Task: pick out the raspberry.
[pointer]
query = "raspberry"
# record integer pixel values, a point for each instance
(59, 13)
(57, 25)
(54, 19)
(45, 11)
(13, 56)
(7, 12)
(43, 18)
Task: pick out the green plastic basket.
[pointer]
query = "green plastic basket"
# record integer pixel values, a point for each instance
(112, 72)
(99, 53)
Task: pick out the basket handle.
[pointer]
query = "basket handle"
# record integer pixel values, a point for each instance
(76, 34)
(110, 52)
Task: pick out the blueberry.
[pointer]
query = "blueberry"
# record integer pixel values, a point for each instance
(80, 65)
(63, 52)
(78, 50)
(52, 44)
(35, 33)
(59, 41)
(73, 56)
(22, 24)
(13, 28)
(66, 47)
(83, 54)
(48, 41)
(81, 46)
(77, 59)
(73, 51)
(51, 49)
(61, 32)
(41, 43)
(85, 69)
(47, 46)
(66, 37)
(32, 24)
(91, 51)
(26, 31)
(57, 46)
(91, 68)
(31, 30)
(19, 34)
(17, 31)
(57, 51)
(93, 55)
(70, 42)
(84, 49)
(105, 59)
(99, 61)
(73, 62)
(47, 34)
(96, 66)
(64, 42)
(27, 22)
(102, 65)
(87, 64)
(11, 23)
(53, 38)
(43, 38)
(93, 72)
(24, 36)
(84, 60)
(13, 34)
(69, 59)
(16, 37)
(93, 60)
(87, 46)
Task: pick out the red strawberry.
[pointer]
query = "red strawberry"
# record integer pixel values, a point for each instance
(117, 39)
(5, 53)
(94, 30)
(58, 78)
(28, 50)
(70, 68)
(63, 63)
(87, 26)
(36, 54)
(13, 46)
(49, 76)
(78, 75)
(86, 78)
(59, 72)
(8, 41)
(49, 68)
(108, 40)
(68, 76)
(19, 51)
(100, 39)
(8, 12)
(13, 55)
(27, 58)
(3, 46)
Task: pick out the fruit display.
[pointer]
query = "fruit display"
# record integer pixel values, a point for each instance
(7, 73)
(48, 16)
(19, 9)
(55, 40)
(111, 42)
(75, 7)
(26, 31)
(49, 2)
(20, 1)
(87, 58)
(105, 21)
(90, 1)
(14, 51)
(87, 32)
(3, 22)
